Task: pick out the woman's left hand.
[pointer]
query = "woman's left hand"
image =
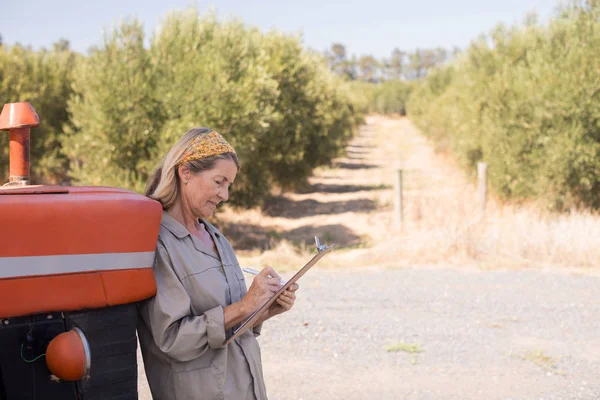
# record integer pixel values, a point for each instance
(285, 301)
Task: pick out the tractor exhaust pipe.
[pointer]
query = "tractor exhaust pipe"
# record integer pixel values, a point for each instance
(18, 119)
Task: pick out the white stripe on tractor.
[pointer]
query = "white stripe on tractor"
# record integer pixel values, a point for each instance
(14, 267)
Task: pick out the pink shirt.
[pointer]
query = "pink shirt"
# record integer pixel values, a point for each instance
(203, 235)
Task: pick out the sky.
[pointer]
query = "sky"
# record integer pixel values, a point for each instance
(372, 27)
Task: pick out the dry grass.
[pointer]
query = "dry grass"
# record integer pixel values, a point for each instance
(454, 231)
(351, 204)
(411, 348)
(541, 359)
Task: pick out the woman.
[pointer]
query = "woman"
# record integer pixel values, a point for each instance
(201, 293)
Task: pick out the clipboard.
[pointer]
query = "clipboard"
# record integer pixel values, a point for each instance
(322, 250)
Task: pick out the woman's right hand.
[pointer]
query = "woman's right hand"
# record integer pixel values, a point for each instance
(263, 287)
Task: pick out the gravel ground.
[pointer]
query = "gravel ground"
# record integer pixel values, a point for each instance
(483, 335)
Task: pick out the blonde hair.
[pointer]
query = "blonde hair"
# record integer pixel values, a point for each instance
(164, 183)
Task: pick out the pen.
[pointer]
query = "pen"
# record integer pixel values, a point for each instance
(255, 272)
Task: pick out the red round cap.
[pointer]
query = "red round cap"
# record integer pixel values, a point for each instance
(18, 115)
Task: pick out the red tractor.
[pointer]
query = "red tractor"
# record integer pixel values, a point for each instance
(74, 261)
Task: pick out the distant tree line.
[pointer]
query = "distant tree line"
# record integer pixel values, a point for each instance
(384, 85)
(400, 65)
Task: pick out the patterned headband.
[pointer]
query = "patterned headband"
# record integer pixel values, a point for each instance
(206, 145)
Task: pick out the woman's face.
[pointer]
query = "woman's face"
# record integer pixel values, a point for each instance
(205, 190)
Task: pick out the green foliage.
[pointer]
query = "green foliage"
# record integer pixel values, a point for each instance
(116, 117)
(389, 97)
(44, 79)
(526, 100)
(214, 74)
(279, 106)
(312, 115)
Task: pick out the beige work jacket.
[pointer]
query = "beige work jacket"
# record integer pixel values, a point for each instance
(181, 329)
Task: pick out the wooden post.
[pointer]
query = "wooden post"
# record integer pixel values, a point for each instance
(398, 198)
(482, 186)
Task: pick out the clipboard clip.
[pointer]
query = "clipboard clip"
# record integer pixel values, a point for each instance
(321, 247)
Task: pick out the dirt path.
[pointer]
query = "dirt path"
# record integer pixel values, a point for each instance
(352, 202)
(463, 333)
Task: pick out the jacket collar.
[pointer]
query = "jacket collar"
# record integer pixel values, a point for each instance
(177, 228)
(180, 231)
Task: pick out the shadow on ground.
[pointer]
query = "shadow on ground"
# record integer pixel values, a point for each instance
(252, 237)
(286, 208)
(343, 165)
(330, 188)
(350, 147)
